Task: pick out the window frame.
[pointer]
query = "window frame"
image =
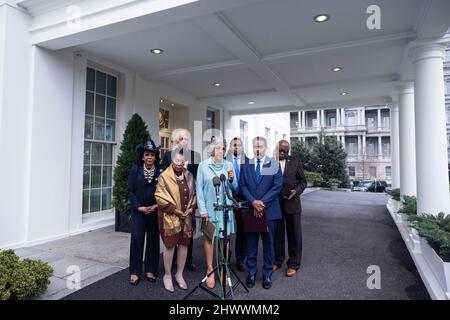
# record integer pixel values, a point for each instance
(113, 143)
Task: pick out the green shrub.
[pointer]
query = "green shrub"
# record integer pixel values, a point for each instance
(22, 279)
(409, 205)
(436, 230)
(334, 181)
(395, 194)
(314, 178)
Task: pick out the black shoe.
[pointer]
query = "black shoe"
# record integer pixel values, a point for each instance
(240, 266)
(190, 266)
(150, 279)
(250, 282)
(267, 283)
(135, 282)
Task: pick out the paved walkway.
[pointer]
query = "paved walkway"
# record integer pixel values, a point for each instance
(343, 234)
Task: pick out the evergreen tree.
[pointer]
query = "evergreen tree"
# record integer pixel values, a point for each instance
(329, 159)
(135, 134)
(300, 150)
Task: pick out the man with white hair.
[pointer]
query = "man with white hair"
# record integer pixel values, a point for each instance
(181, 144)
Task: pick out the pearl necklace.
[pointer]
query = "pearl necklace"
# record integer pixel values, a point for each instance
(149, 173)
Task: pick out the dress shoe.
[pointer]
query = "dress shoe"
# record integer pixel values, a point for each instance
(267, 283)
(275, 267)
(168, 284)
(190, 266)
(290, 272)
(151, 278)
(250, 282)
(240, 266)
(135, 282)
(181, 284)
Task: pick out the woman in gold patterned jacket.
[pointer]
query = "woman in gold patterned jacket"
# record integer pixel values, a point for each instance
(175, 195)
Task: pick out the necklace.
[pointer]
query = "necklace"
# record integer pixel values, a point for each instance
(149, 173)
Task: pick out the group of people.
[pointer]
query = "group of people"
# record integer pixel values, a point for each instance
(165, 196)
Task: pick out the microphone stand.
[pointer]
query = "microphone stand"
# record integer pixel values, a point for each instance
(224, 266)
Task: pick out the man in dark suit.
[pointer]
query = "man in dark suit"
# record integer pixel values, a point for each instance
(181, 138)
(294, 183)
(236, 155)
(260, 184)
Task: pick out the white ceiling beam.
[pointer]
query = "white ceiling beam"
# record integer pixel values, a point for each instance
(391, 38)
(110, 18)
(434, 20)
(239, 94)
(281, 56)
(229, 65)
(220, 29)
(348, 83)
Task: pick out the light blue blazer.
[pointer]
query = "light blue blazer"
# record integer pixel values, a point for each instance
(206, 193)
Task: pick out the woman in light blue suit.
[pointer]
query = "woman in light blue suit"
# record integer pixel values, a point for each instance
(212, 167)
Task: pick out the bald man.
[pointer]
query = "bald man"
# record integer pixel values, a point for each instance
(294, 183)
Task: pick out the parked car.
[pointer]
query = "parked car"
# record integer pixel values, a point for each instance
(370, 186)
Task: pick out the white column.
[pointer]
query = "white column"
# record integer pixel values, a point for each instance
(364, 145)
(431, 137)
(363, 116)
(407, 139)
(379, 119)
(303, 119)
(322, 116)
(359, 146)
(343, 141)
(338, 118)
(395, 150)
(343, 116)
(318, 118)
(380, 149)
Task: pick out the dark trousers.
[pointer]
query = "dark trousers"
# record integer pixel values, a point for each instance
(144, 230)
(290, 225)
(268, 238)
(239, 245)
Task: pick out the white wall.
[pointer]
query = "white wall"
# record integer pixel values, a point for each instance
(42, 174)
(256, 127)
(51, 139)
(15, 69)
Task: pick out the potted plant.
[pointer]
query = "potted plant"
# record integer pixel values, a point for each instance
(135, 134)
(334, 183)
(313, 178)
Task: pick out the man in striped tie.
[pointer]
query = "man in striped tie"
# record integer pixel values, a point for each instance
(260, 184)
(236, 155)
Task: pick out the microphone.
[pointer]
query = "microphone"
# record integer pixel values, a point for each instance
(216, 183)
(223, 179)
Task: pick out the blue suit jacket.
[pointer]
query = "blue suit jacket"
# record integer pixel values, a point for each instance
(267, 190)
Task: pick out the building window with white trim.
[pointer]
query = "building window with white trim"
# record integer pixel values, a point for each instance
(388, 171)
(99, 140)
(351, 171)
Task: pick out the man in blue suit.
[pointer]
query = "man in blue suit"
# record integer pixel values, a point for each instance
(260, 184)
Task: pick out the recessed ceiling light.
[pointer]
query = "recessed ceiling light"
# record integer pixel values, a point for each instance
(172, 104)
(217, 84)
(344, 93)
(337, 69)
(251, 102)
(321, 18)
(161, 100)
(157, 51)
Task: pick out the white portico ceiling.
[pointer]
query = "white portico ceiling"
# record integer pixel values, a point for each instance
(273, 53)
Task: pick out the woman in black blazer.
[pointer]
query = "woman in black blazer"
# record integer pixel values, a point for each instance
(142, 181)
